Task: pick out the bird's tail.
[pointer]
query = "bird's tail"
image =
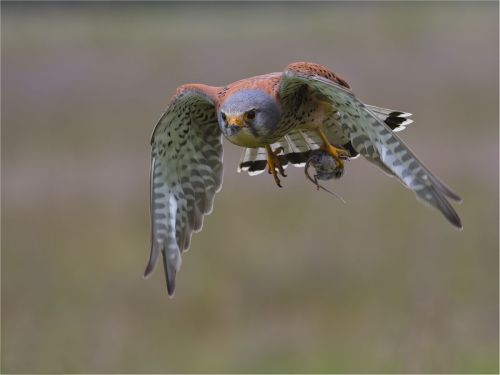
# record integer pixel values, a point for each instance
(299, 144)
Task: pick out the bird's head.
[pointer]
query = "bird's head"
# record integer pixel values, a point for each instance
(248, 115)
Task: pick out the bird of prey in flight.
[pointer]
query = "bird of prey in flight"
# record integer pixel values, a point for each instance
(304, 115)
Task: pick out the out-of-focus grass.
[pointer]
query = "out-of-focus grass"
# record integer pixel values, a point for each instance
(279, 280)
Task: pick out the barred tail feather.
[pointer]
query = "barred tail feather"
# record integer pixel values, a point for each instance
(396, 120)
(253, 161)
(297, 146)
(373, 136)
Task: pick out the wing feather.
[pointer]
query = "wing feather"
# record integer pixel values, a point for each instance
(186, 172)
(375, 140)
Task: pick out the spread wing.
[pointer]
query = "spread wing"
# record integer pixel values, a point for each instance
(374, 139)
(186, 172)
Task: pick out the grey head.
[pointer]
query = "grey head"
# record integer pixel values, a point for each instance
(248, 116)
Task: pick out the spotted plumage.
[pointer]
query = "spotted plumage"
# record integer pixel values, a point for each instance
(282, 118)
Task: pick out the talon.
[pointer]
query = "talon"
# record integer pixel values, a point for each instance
(338, 154)
(282, 171)
(274, 163)
(277, 180)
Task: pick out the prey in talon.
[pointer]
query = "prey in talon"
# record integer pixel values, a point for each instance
(276, 118)
(326, 168)
(274, 164)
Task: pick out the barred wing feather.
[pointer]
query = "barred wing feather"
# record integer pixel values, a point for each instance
(186, 172)
(375, 140)
(298, 144)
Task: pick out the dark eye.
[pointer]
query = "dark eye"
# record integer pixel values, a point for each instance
(250, 114)
(223, 115)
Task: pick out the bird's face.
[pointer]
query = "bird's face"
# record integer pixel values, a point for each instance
(247, 116)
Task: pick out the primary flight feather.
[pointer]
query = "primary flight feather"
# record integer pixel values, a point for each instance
(278, 118)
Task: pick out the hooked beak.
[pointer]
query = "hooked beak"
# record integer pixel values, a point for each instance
(235, 121)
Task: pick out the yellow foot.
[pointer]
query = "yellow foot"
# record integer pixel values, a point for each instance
(274, 163)
(337, 153)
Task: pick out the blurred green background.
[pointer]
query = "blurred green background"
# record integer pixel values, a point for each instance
(279, 280)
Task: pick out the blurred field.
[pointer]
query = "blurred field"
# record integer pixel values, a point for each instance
(283, 280)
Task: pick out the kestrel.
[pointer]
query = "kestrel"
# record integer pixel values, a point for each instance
(305, 114)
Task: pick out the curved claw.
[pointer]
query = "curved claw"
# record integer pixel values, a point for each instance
(274, 163)
(281, 170)
(277, 180)
(338, 154)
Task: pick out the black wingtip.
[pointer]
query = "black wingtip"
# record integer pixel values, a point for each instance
(395, 114)
(153, 260)
(169, 276)
(148, 271)
(455, 197)
(452, 216)
(446, 190)
(457, 223)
